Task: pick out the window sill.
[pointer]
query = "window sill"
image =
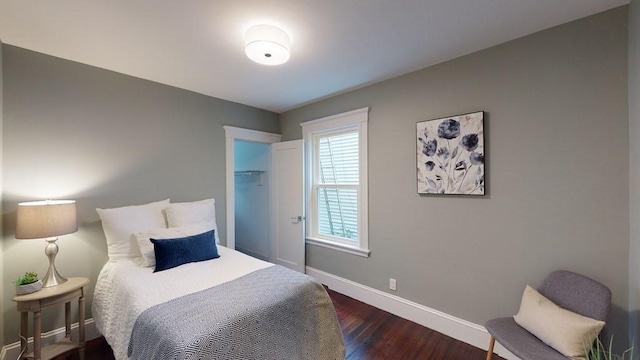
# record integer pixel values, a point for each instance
(340, 247)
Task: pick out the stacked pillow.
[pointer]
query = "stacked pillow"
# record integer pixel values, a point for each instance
(162, 234)
(193, 213)
(120, 223)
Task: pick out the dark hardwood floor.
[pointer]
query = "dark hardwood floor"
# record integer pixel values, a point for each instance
(369, 333)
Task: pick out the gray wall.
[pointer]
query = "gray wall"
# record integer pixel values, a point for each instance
(557, 166)
(634, 164)
(106, 140)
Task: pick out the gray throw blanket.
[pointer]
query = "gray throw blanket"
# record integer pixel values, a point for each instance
(273, 313)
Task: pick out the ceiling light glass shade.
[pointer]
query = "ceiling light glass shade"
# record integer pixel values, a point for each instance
(267, 45)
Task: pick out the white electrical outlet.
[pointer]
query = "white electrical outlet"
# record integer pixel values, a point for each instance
(392, 284)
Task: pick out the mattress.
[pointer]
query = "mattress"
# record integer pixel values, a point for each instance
(125, 291)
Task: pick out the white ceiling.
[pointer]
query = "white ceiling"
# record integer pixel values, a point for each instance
(336, 45)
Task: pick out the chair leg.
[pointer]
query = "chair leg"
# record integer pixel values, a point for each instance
(490, 350)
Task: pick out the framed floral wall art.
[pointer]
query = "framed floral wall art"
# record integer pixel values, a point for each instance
(450, 155)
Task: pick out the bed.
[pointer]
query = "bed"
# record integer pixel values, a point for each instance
(231, 306)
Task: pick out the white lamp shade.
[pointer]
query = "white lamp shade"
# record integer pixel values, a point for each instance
(43, 219)
(267, 45)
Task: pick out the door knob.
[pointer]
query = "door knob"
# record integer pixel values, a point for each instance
(297, 219)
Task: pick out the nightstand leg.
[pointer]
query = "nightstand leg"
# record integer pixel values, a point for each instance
(37, 333)
(24, 332)
(67, 320)
(81, 324)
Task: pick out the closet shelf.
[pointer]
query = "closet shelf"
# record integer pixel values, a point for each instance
(249, 172)
(251, 175)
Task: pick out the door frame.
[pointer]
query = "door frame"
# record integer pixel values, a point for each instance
(232, 134)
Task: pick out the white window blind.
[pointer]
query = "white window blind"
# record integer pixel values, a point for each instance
(337, 185)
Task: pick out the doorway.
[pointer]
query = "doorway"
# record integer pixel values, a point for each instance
(251, 183)
(233, 134)
(281, 239)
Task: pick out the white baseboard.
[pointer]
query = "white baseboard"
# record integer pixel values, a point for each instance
(11, 351)
(449, 325)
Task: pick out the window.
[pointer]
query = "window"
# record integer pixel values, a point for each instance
(336, 185)
(336, 181)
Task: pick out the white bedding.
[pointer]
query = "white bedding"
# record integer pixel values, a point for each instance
(124, 290)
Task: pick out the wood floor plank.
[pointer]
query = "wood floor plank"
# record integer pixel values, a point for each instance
(369, 334)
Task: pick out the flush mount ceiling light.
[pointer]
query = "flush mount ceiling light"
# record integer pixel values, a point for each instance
(267, 45)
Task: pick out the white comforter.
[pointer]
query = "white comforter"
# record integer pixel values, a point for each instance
(124, 290)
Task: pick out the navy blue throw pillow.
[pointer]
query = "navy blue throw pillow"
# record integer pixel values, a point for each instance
(175, 252)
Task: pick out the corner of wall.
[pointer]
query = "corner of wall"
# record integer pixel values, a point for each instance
(634, 169)
(1, 192)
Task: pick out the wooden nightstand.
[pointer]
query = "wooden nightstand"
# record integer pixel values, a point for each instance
(73, 289)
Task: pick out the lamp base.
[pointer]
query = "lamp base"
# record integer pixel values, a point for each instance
(52, 278)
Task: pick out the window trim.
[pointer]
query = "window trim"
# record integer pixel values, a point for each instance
(356, 120)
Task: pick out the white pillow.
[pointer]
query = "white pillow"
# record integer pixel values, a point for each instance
(569, 333)
(143, 239)
(192, 213)
(119, 224)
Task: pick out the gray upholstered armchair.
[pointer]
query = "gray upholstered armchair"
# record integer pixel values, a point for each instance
(570, 291)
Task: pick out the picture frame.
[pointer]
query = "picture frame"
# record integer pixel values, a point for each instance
(450, 155)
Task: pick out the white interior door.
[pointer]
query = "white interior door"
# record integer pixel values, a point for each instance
(287, 204)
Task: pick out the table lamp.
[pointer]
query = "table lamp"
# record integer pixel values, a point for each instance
(47, 219)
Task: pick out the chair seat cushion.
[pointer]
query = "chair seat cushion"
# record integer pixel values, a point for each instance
(519, 341)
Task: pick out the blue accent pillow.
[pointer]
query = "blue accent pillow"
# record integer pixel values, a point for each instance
(175, 252)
